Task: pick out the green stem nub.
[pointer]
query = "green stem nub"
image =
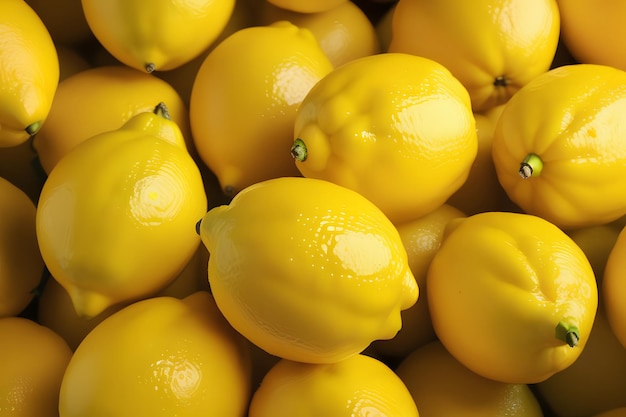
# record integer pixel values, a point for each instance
(568, 333)
(298, 150)
(162, 111)
(531, 166)
(33, 128)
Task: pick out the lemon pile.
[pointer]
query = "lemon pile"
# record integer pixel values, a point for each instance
(312, 208)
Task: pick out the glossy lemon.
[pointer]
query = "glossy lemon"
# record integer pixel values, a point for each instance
(492, 46)
(159, 357)
(29, 70)
(307, 6)
(101, 99)
(441, 386)
(511, 296)
(160, 36)
(558, 147)
(357, 386)
(306, 269)
(33, 360)
(244, 100)
(115, 219)
(613, 286)
(397, 128)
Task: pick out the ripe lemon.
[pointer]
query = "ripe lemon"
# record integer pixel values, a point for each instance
(613, 287)
(422, 238)
(492, 46)
(511, 296)
(160, 36)
(396, 128)
(306, 269)
(65, 21)
(594, 31)
(343, 32)
(307, 6)
(29, 70)
(244, 100)
(357, 386)
(441, 386)
(596, 382)
(558, 147)
(21, 265)
(159, 357)
(33, 360)
(98, 100)
(115, 219)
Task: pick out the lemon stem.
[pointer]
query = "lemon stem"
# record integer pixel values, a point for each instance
(531, 166)
(150, 67)
(567, 333)
(298, 150)
(162, 111)
(33, 128)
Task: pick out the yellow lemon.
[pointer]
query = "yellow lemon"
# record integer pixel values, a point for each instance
(21, 265)
(441, 386)
(160, 36)
(307, 270)
(511, 296)
(65, 21)
(558, 147)
(613, 287)
(343, 32)
(115, 219)
(159, 357)
(33, 360)
(307, 6)
(357, 386)
(593, 31)
(396, 128)
(244, 100)
(98, 100)
(492, 46)
(29, 70)
(422, 238)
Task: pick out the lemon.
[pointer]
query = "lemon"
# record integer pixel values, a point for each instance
(558, 147)
(441, 386)
(33, 360)
(344, 32)
(29, 70)
(307, 270)
(492, 46)
(307, 6)
(613, 285)
(98, 100)
(511, 296)
(115, 219)
(422, 238)
(159, 357)
(357, 386)
(244, 100)
(397, 128)
(21, 265)
(160, 36)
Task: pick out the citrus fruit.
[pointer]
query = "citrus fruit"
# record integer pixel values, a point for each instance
(65, 21)
(344, 32)
(558, 147)
(596, 382)
(422, 238)
(33, 360)
(511, 296)
(160, 36)
(307, 6)
(613, 287)
(306, 269)
(594, 31)
(159, 357)
(397, 128)
(357, 386)
(441, 386)
(115, 219)
(98, 100)
(492, 46)
(29, 70)
(244, 100)
(21, 265)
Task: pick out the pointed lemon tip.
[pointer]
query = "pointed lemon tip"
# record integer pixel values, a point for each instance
(410, 291)
(89, 304)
